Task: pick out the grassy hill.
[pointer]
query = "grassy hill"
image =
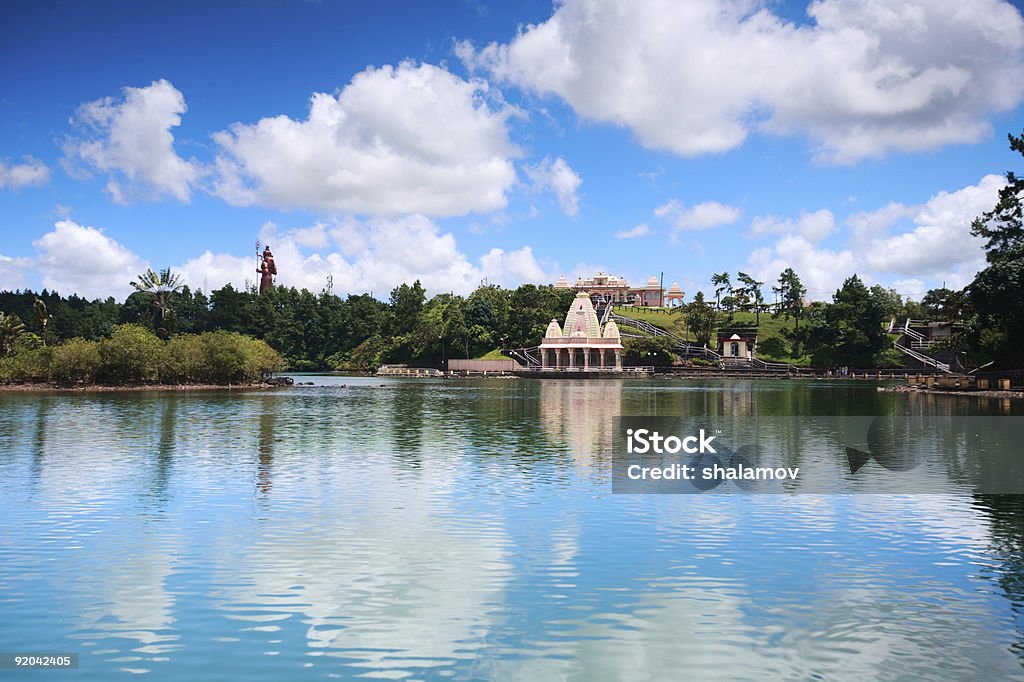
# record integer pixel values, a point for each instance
(772, 346)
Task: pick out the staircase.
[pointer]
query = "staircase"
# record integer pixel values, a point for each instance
(527, 356)
(911, 343)
(680, 347)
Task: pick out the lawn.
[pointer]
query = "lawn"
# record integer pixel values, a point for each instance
(772, 346)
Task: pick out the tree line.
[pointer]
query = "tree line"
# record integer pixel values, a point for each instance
(309, 331)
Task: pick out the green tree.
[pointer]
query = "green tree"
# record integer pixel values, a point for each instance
(752, 293)
(12, 329)
(160, 286)
(1003, 226)
(132, 354)
(75, 361)
(722, 284)
(790, 291)
(889, 300)
(849, 331)
(701, 319)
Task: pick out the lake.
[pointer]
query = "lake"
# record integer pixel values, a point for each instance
(466, 529)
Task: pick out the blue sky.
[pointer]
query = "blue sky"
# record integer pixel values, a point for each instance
(514, 142)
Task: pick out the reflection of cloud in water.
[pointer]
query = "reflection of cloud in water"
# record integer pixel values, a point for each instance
(580, 413)
(402, 582)
(123, 594)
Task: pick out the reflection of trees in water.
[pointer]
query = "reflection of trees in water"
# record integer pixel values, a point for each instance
(1007, 514)
(406, 424)
(168, 409)
(495, 418)
(265, 444)
(43, 407)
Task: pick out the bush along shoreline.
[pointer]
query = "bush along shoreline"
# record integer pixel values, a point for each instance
(135, 356)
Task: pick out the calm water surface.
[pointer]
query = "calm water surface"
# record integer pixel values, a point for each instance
(411, 529)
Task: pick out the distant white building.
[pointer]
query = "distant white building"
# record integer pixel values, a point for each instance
(605, 288)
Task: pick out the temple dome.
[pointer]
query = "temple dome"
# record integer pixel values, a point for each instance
(581, 320)
(611, 330)
(652, 282)
(562, 283)
(554, 331)
(674, 289)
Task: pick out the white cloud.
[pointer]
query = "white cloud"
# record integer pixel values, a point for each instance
(30, 171)
(639, 231)
(372, 256)
(396, 140)
(941, 239)
(811, 226)
(12, 272)
(935, 246)
(820, 269)
(77, 259)
(559, 178)
(130, 139)
(702, 216)
(860, 79)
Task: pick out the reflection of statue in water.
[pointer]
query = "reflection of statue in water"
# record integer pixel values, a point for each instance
(267, 270)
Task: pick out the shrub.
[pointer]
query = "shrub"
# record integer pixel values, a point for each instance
(132, 354)
(76, 360)
(184, 360)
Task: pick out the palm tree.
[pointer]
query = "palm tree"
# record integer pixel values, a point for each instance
(11, 329)
(161, 286)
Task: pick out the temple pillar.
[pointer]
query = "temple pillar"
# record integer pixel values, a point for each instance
(543, 358)
(586, 358)
(618, 359)
(571, 358)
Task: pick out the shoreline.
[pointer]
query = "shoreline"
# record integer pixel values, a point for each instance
(101, 388)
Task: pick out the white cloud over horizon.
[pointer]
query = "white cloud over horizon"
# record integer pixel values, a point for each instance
(362, 256)
(903, 245)
(860, 79)
(74, 258)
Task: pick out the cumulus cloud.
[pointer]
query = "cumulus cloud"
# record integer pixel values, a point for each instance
(396, 140)
(941, 238)
(638, 231)
(702, 216)
(558, 177)
(30, 171)
(905, 245)
(368, 256)
(130, 139)
(860, 78)
(821, 270)
(811, 226)
(12, 272)
(74, 258)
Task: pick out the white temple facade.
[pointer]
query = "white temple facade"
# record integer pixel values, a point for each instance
(580, 343)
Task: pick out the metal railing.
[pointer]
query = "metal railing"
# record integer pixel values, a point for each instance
(921, 357)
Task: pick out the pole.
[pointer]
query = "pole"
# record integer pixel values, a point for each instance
(661, 291)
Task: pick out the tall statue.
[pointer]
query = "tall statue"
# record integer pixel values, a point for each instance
(267, 270)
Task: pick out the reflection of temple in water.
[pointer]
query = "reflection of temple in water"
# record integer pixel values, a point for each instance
(580, 414)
